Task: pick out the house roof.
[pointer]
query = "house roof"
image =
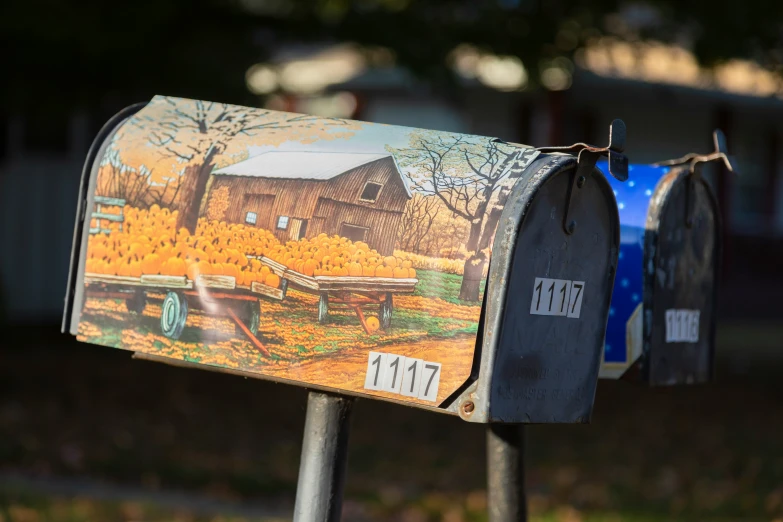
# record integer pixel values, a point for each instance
(314, 165)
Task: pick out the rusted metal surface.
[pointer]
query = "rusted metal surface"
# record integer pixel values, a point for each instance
(618, 163)
(693, 160)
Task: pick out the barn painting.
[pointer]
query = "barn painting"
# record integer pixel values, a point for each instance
(292, 247)
(360, 196)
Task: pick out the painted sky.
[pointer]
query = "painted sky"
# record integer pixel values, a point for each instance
(324, 135)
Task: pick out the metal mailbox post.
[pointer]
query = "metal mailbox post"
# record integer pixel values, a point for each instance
(284, 226)
(661, 326)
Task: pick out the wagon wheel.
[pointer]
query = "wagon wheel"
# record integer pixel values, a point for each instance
(323, 307)
(173, 314)
(385, 314)
(250, 314)
(136, 302)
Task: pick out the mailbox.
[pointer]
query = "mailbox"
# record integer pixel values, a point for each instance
(452, 272)
(661, 325)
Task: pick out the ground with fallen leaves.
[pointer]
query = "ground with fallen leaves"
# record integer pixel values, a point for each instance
(87, 433)
(431, 324)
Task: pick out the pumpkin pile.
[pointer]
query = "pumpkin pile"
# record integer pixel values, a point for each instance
(337, 256)
(150, 244)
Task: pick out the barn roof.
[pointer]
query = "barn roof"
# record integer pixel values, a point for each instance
(315, 165)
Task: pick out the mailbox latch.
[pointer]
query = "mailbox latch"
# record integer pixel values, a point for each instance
(694, 162)
(587, 156)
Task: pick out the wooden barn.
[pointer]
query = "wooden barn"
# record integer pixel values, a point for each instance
(359, 196)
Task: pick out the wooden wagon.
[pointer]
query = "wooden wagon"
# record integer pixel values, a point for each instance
(353, 292)
(211, 294)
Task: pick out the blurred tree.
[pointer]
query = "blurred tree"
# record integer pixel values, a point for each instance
(109, 54)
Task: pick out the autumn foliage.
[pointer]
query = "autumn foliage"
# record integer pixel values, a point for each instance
(337, 256)
(439, 264)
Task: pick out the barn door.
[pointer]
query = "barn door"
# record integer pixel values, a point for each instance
(297, 229)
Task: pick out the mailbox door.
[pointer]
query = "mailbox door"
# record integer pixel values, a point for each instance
(548, 298)
(682, 251)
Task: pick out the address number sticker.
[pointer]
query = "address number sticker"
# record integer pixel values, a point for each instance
(392, 377)
(411, 377)
(557, 297)
(376, 368)
(403, 375)
(682, 326)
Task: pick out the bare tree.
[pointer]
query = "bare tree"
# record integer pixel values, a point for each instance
(197, 134)
(165, 194)
(417, 220)
(117, 180)
(468, 174)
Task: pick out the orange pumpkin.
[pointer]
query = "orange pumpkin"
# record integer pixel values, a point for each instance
(192, 271)
(372, 323)
(249, 278)
(309, 267)
(354, 269)
(134, 268)
(123, 269)
(230, 270)
(175, 266)
(204, 267)
(151, 264)
(272, 280)
(218, 256)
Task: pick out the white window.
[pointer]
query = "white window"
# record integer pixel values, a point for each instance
(370, 192)
(251, 218)
(282, 222)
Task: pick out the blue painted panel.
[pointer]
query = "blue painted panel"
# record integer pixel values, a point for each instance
(633, 200)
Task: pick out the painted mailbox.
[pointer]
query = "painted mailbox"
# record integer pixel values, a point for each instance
(662, 319)
(347, 256)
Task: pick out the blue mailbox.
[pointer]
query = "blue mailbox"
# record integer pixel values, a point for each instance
(661, 324)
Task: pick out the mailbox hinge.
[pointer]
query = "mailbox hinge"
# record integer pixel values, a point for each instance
(695, 162)
(587, 156)
(618, 163)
